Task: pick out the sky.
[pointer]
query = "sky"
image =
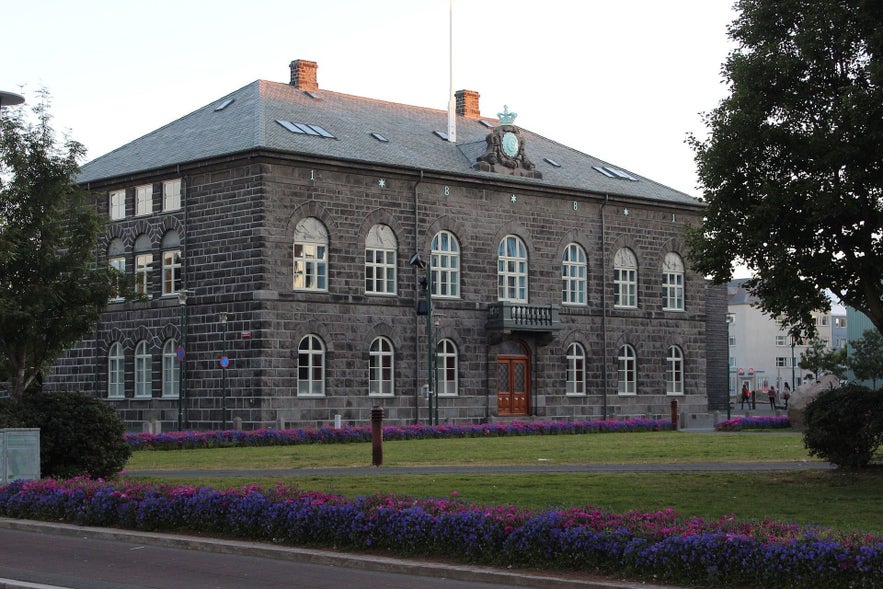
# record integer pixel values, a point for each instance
(624, 81)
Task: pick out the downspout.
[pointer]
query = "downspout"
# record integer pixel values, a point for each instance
(604, 308)
(416, 316)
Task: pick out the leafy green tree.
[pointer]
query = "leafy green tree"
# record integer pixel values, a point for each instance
(866, 356)
(51, 286)
(791, 167)
(819, 359)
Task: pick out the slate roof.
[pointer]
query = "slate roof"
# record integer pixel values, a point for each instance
(250, 122)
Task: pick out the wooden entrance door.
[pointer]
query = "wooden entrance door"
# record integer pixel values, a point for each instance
(513, 385)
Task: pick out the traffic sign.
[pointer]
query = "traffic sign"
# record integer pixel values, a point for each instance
(224, 361)
(179, 353)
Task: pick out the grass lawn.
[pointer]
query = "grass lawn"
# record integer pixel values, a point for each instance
(831, 498)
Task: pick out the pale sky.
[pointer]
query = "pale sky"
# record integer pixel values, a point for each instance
(624, 81)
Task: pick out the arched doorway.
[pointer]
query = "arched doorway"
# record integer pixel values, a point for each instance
(513, 379)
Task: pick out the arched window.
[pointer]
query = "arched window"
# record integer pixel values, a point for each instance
(628, 370)
(446, 367)
(512, 270)
(143, 377)
(445, 265)
(310, 255)
(116, 259)
(381, 375)
(311, 366)
(116, 372)
(576, 369)
(381, 246)
(573, 275)
(143, 264)
(625, 279)
(171, 263)
(171, 370)
(674, 371)
(673, 282)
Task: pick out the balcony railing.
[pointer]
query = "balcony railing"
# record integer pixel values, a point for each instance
(523, 317)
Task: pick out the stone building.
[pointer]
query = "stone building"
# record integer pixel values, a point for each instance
(286, 236)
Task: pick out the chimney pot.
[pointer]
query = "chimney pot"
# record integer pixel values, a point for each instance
(303, 75)
(467, 103)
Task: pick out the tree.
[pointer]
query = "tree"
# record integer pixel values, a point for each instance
(51, 286)
(866, 356)
(819, 359)
(791, 167)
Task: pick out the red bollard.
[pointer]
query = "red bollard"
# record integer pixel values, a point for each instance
(674, 414)
(377, 436)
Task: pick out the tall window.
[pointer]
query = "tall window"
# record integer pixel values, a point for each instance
(380, 260)
(116, 372)
(144, 199)
(674, 371)
(171, 263)
(116, 259)
(512, 270)
(143, 264)
(311, 366)
(446, 367)
(380, 368)
(673, 283)
(576, 369)
(628, 370)
(171, 195)
(445, 265)
(625, 279)
(171, 370)
(573, 275)
(117, 204)
(310, 255)
(143, 378)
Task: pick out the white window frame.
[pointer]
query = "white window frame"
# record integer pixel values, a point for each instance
(626, 380)
(143, 272)
(143, 200)
(445, 263)
(381, 247)
(782, 340)
(171, 195)
(143, 371)
(446, 368)
(116, 372)
(781, 361)
(381, 368)
(574, 270)
(118, 263)
(171, 272)
(625, 279)
(310, 256)
(576, 370)
(117, 204)
(674, 371)
(311, 366)
(673, 282)
(512, 270)
(171, 370)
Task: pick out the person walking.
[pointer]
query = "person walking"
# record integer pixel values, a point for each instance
(771, 393)
(787, 394)
(746, 396)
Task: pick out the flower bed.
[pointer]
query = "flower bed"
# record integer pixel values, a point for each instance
(330, 435)
(662, 546)
(761, 422)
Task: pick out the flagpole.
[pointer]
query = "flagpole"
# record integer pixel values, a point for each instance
(452, 110)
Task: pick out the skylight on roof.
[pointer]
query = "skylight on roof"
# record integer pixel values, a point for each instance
(379, 137)
(305, 129)
(616, 173)
(224, 104)
(312, 95)
(487, 124)
(441, 134)
(553, 162)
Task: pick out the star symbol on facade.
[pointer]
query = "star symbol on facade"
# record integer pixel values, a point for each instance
(381, 183)
(514, 199)
(625, 212)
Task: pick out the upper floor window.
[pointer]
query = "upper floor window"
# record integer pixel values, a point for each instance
(381, 375)
(381, 246)
(674, 371)
(782, 340)
(445, 261)
(116, 259)
(143, 378)
(446, 367)
(171, 370)
(627, 371)
(625, 279)
(310, 255)
(573, 275)
(144, 199)
(840, 322)
(311, 366)
(117, 204)
(673, 282)
(171, 195)
(512, 270)
(116, 372)
(576, 369)
(171, 263)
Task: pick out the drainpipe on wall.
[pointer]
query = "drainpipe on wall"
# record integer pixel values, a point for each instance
(604, 307)
(416, 316)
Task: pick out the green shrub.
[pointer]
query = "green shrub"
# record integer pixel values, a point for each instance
(79, 434)
(845, 425)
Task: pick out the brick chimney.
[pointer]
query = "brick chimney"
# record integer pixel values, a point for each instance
(303, 75)
(467, 103)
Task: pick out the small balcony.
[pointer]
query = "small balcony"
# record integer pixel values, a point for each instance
(508, 317)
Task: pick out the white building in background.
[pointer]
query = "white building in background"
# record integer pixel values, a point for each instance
(761, 351)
